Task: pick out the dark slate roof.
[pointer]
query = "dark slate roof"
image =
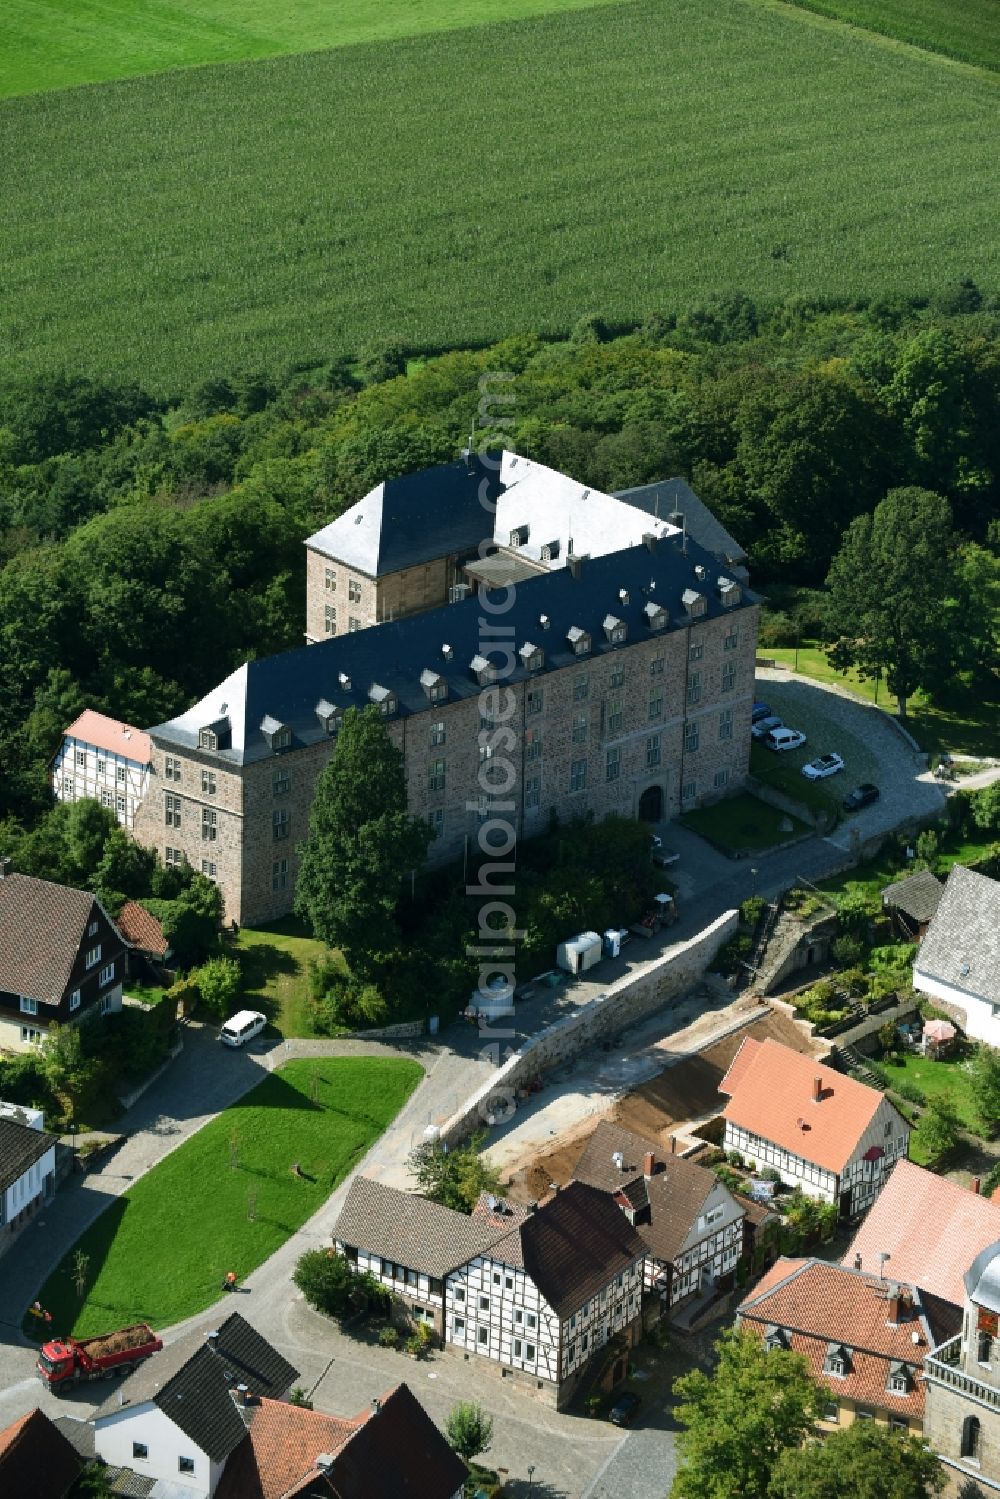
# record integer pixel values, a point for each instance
(416, 518)
(289, 686)
(962, 945)
(20, 1147)
(702, 527)
(36, 1460)
(398, 1453)
(918, 896)
(575, 1244)
(191, 1382)
(42, 927)
(411, 1230)
(78, 1433)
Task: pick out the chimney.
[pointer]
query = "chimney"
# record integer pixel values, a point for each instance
(649, 541)
(324, 1461)
(893, 1307)
(575, 565)
(4, 867)
(976, 1184)
(817, 1089)
(213, 1341)
(857, 1262)
(376, 1406)
(673, 1144)
(648, 1163)
(243, 1394)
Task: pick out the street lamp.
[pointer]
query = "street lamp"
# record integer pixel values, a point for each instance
(72, 1142)
(753, 880)
(531, 1475)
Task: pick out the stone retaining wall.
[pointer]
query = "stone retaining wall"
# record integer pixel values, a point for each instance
(632, 999)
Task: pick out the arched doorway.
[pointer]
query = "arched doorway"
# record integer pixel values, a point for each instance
(651, 804)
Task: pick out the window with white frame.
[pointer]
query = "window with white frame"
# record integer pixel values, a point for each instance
(330, 579)
(121, 802)
(694, 686)
(172, 811)
(67, 785)
(208, 739)
(614, 717)
(616, 677)
(726, 724)
(185, 1465)
(695, 652)
(106, 975)
(74, 1000)
(281, 782)
(281, 824)
(353, 624)
(578, 775)
(173, 857)
(729, 676)
(581, 726)
(484, 1303)
(121, 774)
(656, 702)
(209, 824)
(208, 782)
(329, 619)
(533, 701)
(172, 768)
(353, 591)
(28, 1006)
(93, 956)
(438, 734)
(731, 639)
(107, 797)
(652, 751)
(92, 929)
(690, 736)
(209, 869)
(102, 766)
(30, 1035)
(81, 758)
(458, 1327)
(436, 775)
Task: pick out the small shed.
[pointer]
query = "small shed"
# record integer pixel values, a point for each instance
(580, 953)
(912, 903)
(938, 1038)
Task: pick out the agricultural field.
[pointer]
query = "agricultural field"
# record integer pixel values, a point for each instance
(964, 29)
(227, 1198)
(46, 44)
(450, 189)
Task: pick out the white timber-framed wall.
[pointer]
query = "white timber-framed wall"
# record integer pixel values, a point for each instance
(81, 770)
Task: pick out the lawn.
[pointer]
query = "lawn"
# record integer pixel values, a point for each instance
(969, 725)
(453, 188)
(966, 29)
(742, 824)
(146, 992)
(938, 1080)
(160, 1252)
(49, 44)
(275, 965)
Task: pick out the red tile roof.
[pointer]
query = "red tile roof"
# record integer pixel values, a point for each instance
(108, 734)
(36, 1459)
(141, 929)
(818, 1304)
(281, 1448)
(932, 1229)
(771, 1094)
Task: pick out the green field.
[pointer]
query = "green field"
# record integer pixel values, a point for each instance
(159, 1253)
(46, 44)
(966, 29)
(455, 188)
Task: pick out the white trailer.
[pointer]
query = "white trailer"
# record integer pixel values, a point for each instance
(580, 953)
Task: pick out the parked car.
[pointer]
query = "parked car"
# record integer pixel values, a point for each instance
(764, 726)
(760, 710)
(823, 766)
(664, 857)
(242, 1027)
(624, 1410)
(784, 739)
(862, 796)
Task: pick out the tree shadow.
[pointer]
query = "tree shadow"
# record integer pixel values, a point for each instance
(263, 962)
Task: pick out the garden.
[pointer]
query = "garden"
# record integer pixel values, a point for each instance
(228, 1197)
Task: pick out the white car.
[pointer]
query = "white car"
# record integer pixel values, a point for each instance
(784, 739)
(242, 1027)
(823, 766)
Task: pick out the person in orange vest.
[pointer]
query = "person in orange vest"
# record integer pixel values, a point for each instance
(231, 1280)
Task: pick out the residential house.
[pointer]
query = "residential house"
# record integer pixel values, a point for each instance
(925, 1230)
(627, 677)
(962, 1418)
(690, 1223)
(104, 760)
(391, 1451)
(826, 1133)
(36, 1460)
(27, 1169)
(62, 959)
(179, 1416)
(958, 962)
(864, 1338)
(761, 1231)
(912, 903)
(148, 949)
(532, 1294)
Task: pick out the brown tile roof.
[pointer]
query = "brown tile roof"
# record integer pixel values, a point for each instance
(575, 1244)
(932, 1228)
(771, 1095)
(820, 1304)
(279, 1451)
(20, 1148)
(404, 1227)
(41, 928)
(397, 1453)
(675, 1194)
(36, 1459)
(141, 929)
(108, 734)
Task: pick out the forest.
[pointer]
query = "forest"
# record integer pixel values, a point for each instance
(147, 547)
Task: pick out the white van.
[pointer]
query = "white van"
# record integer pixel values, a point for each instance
(784, 739)
(242, 1027)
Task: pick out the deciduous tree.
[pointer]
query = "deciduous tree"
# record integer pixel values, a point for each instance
(865, 1460)
(469, 1429)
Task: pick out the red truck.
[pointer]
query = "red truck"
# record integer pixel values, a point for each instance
(64, 1361)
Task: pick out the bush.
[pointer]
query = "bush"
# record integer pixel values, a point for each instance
(469, 1429)
(218, 983)
(346, 1004)
(752, 910)
(910, 1092)
(734, 1158)
(389, 1337)
(848, 951)
(328, 1283)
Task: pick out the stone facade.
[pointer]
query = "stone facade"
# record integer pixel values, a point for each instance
(962, 1402)
(340, 598)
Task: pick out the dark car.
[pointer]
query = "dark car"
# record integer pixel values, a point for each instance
(760, 710)
(861, 796)
(622, 1413)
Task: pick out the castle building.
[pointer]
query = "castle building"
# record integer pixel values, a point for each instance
(105, 760)
(602, 654)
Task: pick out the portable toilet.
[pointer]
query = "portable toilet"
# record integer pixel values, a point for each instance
(612, 943)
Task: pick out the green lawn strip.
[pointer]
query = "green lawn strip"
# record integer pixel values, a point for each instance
(144, 992)
(965, 29)
(189, 223)
(50, 44)
(275, 962)
(160, 1252)
(948, 1079)
(742, 824)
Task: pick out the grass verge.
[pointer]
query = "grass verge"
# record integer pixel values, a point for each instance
(160, 1251)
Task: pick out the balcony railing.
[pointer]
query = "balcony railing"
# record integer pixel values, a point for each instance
(942, 1367)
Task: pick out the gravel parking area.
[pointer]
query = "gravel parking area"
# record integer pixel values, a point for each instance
(873, 750)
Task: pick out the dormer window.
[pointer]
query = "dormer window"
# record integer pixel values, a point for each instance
(775, 1337)
(434, 685)
(550, 551)
(615, 629)
(519, 536)
(208, 739)
(899, 1382)
(532, 657)
(837, 1361)
(484, 671)
(623, 595)
(278, 735)
(579, 640)
(448, 652)
(344, 681)
(729, 592)
(384, 700)
(695, 603)
(655, 616)
(330, 716)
